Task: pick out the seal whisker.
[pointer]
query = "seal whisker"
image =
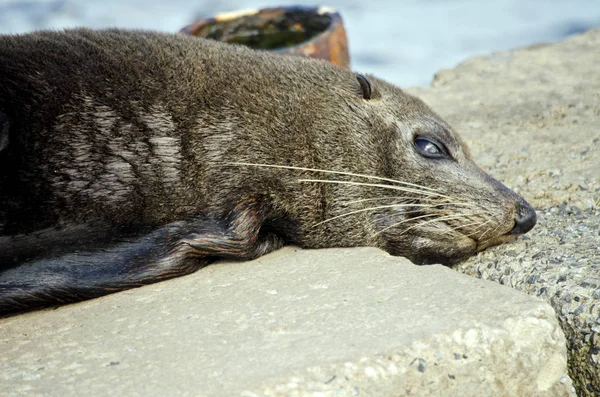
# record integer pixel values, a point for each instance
(455, 228)
(399, 198)
(443, 218)
(374, 209)
(482, 224)
(403, 198)
(437, 219)
(401, 188)
(403, 221)
(337, 173)
(488, 230)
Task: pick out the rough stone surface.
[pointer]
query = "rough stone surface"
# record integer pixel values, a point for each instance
(532, 118)
(341, 322)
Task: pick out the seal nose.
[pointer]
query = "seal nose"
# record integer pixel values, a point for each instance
(525, 219)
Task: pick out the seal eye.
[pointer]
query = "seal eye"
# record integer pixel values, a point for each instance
(365, 86)
(428, 148)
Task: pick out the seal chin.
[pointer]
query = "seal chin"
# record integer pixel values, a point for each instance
(429, 251)
(505, 238)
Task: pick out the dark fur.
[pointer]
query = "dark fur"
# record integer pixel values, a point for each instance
(116, 152)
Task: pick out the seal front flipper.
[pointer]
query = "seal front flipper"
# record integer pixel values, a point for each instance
(174, 250)
(3, 131)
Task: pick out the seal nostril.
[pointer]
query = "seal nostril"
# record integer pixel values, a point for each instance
(525, 219)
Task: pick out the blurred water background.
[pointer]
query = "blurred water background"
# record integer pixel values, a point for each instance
(403, 41)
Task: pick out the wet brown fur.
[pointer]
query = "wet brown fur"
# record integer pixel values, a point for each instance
(131, 157)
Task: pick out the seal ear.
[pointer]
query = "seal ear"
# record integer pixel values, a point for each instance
(3, 131)
(365, 86)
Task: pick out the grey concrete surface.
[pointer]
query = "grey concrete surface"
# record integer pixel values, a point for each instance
(343, 322)
(532, 118)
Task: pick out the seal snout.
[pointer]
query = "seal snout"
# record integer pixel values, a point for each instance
(525, 218)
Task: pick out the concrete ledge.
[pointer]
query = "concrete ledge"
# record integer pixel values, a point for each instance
(341, 322)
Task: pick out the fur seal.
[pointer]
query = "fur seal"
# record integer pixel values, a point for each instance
(130, 157)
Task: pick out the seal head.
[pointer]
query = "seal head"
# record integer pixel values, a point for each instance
(431, 203)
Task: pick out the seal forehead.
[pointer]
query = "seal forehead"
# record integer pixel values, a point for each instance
(435, 126)
(411, 116)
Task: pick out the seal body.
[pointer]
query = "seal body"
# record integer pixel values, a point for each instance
(129, 157)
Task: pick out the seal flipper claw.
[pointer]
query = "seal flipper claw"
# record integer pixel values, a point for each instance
(174, 250)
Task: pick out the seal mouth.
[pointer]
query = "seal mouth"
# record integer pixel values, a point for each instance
(505, 236)
(525, 219)
(466, 243)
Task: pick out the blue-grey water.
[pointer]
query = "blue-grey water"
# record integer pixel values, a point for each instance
(403, 41)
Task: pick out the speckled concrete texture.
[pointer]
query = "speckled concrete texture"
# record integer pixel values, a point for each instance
(532, 118)
(343, 322)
